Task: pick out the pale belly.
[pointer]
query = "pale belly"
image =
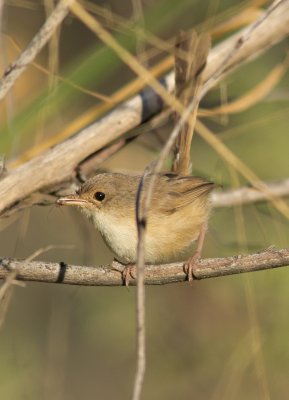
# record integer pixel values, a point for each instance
(161, 245)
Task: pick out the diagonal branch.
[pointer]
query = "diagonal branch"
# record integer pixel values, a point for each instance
(110, 275)
(14, 70)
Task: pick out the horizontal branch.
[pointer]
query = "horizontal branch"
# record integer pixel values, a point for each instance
(247, 195)
(58, 164)
(110, 275)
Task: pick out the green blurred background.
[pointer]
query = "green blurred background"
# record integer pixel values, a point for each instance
(217, 339)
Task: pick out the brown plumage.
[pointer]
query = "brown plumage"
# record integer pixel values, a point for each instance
(180, 207)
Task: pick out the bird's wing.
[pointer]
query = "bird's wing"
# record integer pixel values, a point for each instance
(174, 192)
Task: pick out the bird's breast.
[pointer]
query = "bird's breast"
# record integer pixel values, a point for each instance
(120, 235)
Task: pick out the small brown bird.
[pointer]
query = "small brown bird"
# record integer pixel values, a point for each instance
(177, 216)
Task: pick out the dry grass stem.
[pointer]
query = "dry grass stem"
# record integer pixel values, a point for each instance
(242, 168)
(10, 278)
(14, 71)
(53, 75)
(254, 96)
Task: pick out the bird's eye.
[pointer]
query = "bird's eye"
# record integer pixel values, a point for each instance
(99, 196)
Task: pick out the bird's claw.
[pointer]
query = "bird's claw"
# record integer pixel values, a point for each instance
(127, 273)
(189, 266)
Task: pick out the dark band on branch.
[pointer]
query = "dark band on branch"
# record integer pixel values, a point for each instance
(152, 103)
(62, 271)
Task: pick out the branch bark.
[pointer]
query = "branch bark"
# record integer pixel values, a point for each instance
(247, 195)
(110, 275)
(58, 164)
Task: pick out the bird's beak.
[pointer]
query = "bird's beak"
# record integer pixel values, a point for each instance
(71, 200)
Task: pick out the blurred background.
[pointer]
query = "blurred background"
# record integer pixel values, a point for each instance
(223, 338)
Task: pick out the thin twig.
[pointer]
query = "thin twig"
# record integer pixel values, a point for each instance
(14, 71)
(11, 278)
(140, 308)
(6, 293)
(55, 76)
(138, 17)
(110, 275)
(131, 61)
(243, 38)
(248, 195)
(242, 168)
(90, 165)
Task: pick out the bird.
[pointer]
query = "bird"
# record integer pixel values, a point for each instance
(177, 216)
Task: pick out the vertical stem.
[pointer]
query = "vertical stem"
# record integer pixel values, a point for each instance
(140, 295)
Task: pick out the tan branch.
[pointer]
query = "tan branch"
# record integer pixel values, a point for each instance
(110, 275)
(247, 195)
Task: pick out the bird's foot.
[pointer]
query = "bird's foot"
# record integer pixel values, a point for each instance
(128, 272)
(190, 264)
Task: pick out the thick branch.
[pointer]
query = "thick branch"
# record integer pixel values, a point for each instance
(110, 275)
(58, 164)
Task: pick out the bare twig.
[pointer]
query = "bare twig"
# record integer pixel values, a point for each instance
(245, 36)
(140, 314)
(247, 195)
(90, 166)
(253, 96)
(242, 168)
(55, 76)
(6, 293)
(110, 275)
(14, 71)
(138, 16)
(11, 278)
(58, 164)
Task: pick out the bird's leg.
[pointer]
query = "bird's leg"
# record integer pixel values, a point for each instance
(193, 261)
